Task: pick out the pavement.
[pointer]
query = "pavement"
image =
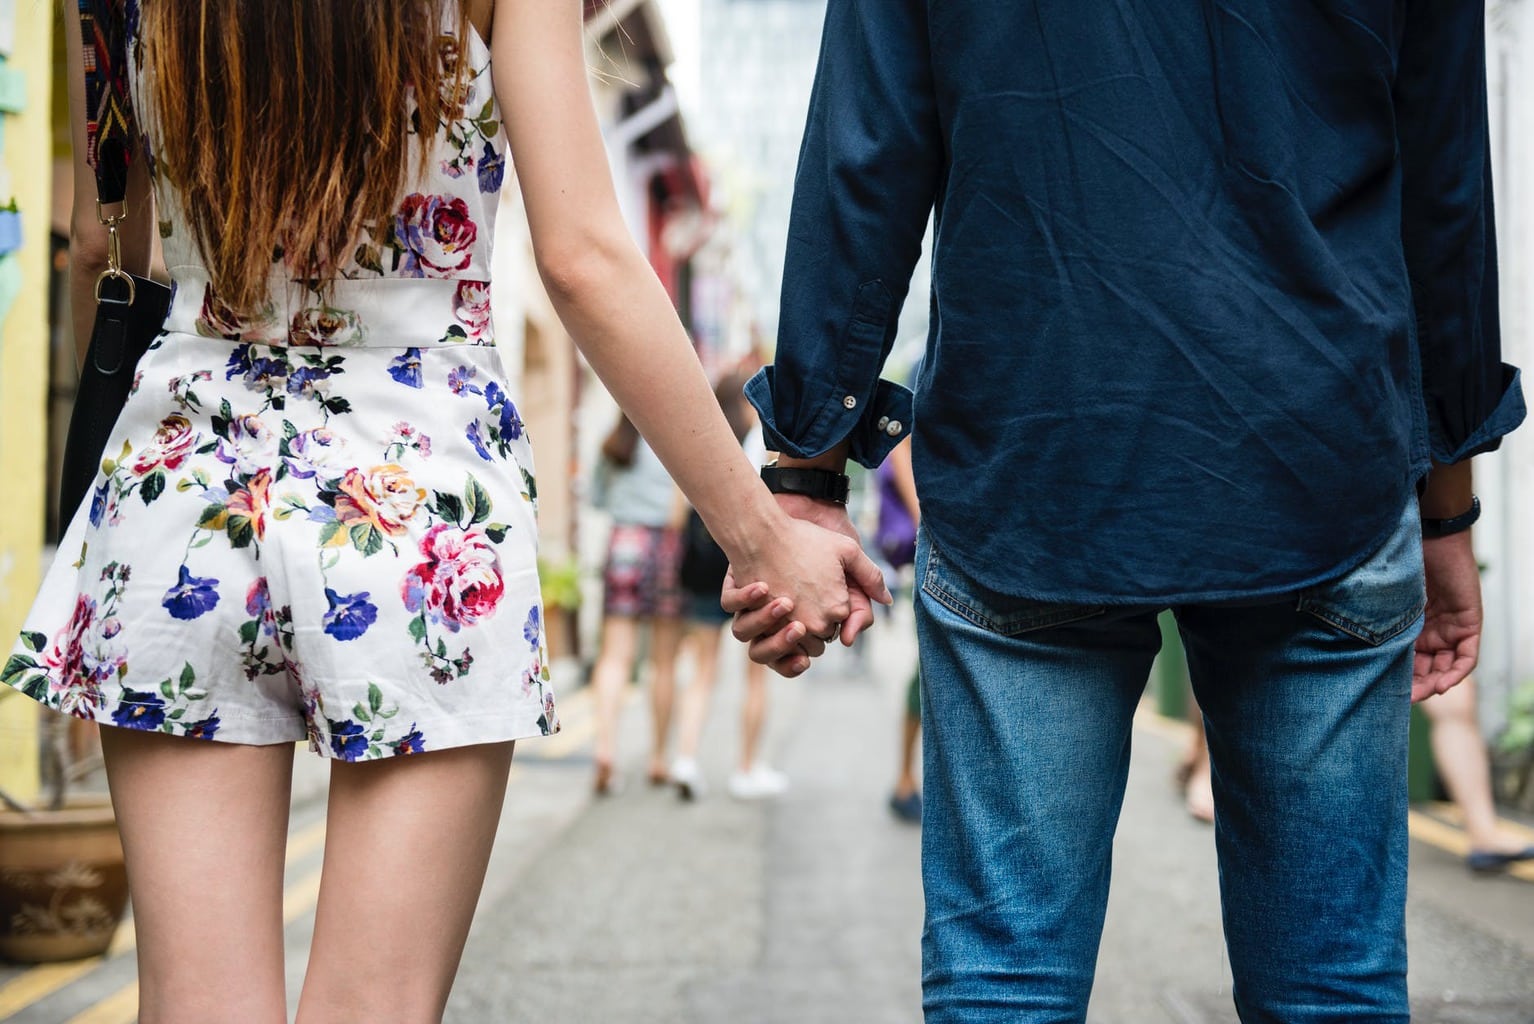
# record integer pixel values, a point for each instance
(638, 908)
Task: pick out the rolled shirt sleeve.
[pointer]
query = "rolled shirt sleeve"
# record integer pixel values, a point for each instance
(1472, 398)
(868, 171)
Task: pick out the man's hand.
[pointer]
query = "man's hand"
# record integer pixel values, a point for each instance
(789, 648)
(1450, 641)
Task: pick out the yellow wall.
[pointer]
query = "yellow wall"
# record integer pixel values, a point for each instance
(27, 156)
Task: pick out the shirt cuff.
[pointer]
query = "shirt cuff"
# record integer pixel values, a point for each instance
(1503, 418)
(874, 427)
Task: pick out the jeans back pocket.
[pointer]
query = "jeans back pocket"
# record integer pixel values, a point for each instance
(1384, 595)
(1003, 614)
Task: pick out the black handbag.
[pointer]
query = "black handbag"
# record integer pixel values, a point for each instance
(130, 310)
(704, 563)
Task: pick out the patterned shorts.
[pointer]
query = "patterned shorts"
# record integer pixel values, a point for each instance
(641, 576)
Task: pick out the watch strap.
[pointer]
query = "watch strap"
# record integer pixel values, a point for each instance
(823, 484)
(1432, 528)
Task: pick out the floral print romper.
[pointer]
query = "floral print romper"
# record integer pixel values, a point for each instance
(317, 522)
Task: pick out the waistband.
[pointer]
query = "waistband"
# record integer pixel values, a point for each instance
(379, 313)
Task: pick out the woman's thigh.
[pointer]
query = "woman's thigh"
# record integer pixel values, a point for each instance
(204, 829)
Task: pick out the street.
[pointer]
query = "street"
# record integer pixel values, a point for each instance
(638, 908)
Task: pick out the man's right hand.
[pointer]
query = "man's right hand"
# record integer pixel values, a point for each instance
(760, 624)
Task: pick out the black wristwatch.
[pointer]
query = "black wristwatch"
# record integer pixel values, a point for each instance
(824, 484)
(1432, 528)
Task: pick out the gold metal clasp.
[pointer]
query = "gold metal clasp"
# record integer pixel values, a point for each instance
(114, 252)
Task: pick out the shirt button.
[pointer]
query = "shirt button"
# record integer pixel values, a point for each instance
(884, 421)
(894, 428)
(849, 402)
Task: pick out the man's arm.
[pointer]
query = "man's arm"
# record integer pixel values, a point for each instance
(869, 169)
(1448, 232)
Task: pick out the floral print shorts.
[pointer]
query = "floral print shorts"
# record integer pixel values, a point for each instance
(641, 575)
(286, 541)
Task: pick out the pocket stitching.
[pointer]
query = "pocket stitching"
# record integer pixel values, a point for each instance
(1372, 637)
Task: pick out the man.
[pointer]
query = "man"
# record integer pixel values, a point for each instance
(1214, 299)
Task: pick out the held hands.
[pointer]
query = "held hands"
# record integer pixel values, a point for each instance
(787, 644)
(1450, 641)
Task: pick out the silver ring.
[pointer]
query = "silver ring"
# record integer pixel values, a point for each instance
(836, 631)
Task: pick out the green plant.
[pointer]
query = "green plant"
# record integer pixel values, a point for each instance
(1518, 735)
(560, 583)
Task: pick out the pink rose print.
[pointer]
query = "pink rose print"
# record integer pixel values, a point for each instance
(173, 443)
(216, 319)
(436, 235)
(460, 581)
(472, 308)
(70, 674)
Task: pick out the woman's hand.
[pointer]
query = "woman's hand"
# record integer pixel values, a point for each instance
(762, 612)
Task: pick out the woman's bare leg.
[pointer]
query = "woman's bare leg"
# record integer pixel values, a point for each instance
(700, 690)
(665, 643)
(1459, 751)
(753, 715)
(204, 826)
(407, 843)
(620, 640)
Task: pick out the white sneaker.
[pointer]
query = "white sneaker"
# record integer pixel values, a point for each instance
(760, 783)
(687, 779)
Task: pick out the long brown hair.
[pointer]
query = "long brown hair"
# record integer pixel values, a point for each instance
(285, 124)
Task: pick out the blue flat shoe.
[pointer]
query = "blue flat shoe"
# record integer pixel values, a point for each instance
(1488, 861)
(907, 808)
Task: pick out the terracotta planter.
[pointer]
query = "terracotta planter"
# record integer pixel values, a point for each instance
(63, 887)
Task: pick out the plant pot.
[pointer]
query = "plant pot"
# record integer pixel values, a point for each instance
(63, 886)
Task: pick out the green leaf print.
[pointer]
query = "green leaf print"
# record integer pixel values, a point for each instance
(455, 333)
(33, 641)
(367, 539)
(375, 697)
(188, 676)
(360, 713)
(167, 689)
(249, 631)
(476, 501)
(16, 666)
(449, 507)
(153, 486)
(328, 532)
(530, 484)
(36, 687)
(241, 531)
(418, 628)
(497, 532)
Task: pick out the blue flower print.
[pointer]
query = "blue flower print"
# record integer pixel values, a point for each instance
(191, 596)
(139, 710)
(458, 379)
(347, 739)
(303, 381)
(492, 170)
(98, 505)
(497, 400)
(406, 368)
(239, 362)
(532, 632)
(478, 441)
(203, 730)
(349, 616)
(413, 743)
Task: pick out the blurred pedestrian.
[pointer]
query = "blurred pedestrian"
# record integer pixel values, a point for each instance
(640, 589)
(1459, 752)
(1214, 328)
(704, 567)
(895, 537)
(316, 517)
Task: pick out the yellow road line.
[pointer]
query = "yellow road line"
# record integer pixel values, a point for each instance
(1426, 827)
(41, 982)
(121, 1007)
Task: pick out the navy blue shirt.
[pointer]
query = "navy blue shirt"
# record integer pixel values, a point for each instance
(1213, 283)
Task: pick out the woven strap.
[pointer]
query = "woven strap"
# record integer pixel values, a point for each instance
(110, 129)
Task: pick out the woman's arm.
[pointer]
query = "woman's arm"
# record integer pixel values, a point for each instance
(621, 318)
(87, 235)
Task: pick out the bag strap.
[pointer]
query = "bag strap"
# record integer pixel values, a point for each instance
(110, 128)
(109, 131)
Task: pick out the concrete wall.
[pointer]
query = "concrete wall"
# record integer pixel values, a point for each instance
(1505, 540)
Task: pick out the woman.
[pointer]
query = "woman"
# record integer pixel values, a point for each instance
(639, 589)
(703, 570)
(315, 516)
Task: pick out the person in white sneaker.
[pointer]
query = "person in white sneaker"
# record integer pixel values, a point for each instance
(704, 566)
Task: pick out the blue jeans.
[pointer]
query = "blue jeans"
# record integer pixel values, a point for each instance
(1027, 711)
